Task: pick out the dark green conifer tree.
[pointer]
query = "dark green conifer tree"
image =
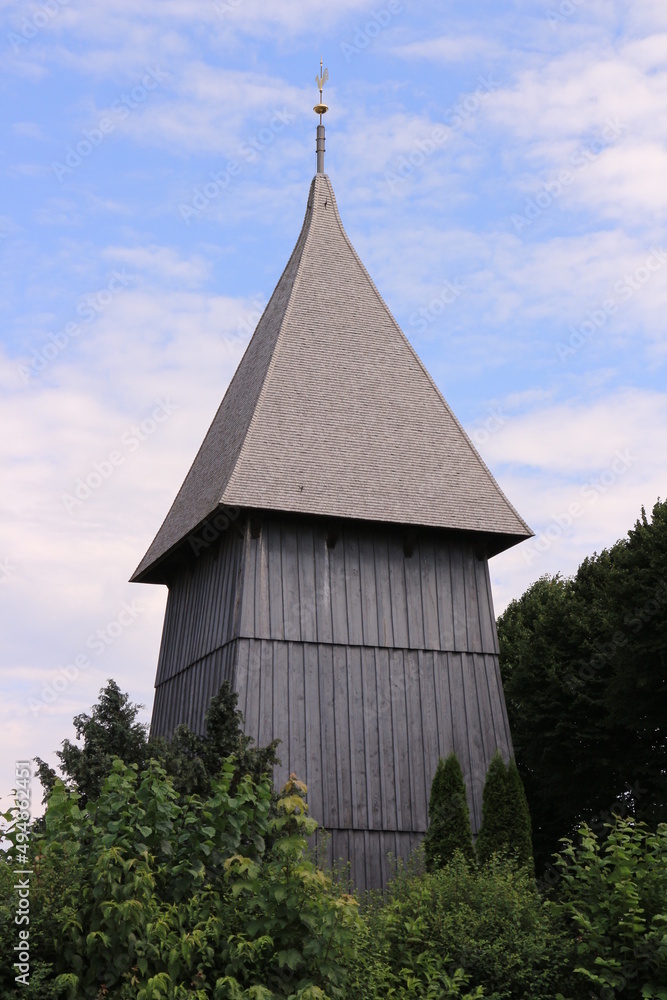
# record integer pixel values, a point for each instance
(505, 818)
(449, 819)
(520, 836)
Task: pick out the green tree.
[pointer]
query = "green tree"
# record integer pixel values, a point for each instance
(520, 827)
(584, 665)
(193, 760)
(111, 731)
(449, 819)
(505, 826)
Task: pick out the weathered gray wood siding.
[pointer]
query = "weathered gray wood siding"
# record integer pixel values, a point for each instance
(365, 591)
(369, 659)
(365, 727)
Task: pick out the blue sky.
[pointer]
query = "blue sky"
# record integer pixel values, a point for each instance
(499, 167)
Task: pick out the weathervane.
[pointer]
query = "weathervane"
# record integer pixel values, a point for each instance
(321, 109)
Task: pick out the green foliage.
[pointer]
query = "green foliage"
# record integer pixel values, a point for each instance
(520, 837)
(489, 923)
(505, 818)
(111, 731)
(147, 895)
(615, 893)
(449, 819)
(194, 760)
(584, 664)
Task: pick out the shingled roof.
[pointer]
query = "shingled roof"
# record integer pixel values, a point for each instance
(331, 412)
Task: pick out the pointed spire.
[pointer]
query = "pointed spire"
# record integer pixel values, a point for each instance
(321, 109)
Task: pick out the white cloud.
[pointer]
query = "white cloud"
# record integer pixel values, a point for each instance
(454, 47)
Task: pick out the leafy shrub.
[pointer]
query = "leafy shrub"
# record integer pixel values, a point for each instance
(615, 894)
(489, 922)
(449, 819)
(144, 895)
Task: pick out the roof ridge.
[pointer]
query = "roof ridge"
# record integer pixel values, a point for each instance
(299, 246)
(419, 361)
(306, 228)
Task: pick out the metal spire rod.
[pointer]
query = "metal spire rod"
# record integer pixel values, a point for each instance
(321, 109)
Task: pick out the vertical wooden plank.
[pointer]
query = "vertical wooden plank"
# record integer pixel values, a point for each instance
(426, 554)
(176, 655)
(239, 546)
(371, 738)
(306, 563)
(484, 604)
(358, 858)
(383, 589)
(313, 732)
(374, 859)
(429, 724)
(246, 624)
(254, 703)
(166, 641)
(388, 778)
(399, 606)
(414, 600)
(290, 582)
(443, 579)
(262, 626)
(322, 586)
(474, 726)
(458, 597)
(498, 706)
(472, 602)
(350, 542)
(487, 722)
(400, 739)
(358, 761)
(297, 711)
(275, 552)
(201, 607)
(338, 591)
(343, 769)
(487, 589)
(460, 722)
(418, 797)
(281, 710)
(369, 609)
(242, 678)
(328, 735)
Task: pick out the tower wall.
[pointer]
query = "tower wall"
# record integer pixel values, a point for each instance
(367, 651)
